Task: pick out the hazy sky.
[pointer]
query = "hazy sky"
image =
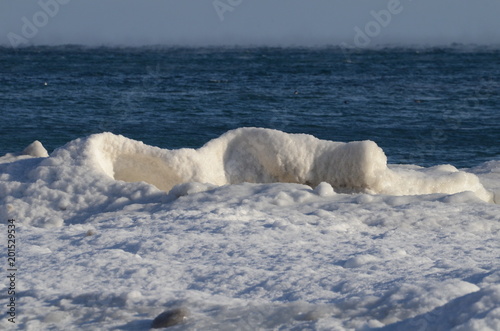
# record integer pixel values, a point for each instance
(358, 23)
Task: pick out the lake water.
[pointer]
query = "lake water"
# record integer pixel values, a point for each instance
(422, 106)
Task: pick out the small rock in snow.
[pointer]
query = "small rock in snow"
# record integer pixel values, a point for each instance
(170, 318)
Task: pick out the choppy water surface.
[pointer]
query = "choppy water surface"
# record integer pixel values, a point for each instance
(427, 106)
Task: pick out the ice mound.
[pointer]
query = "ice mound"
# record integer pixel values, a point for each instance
(35, 149)
(106, 172)
(258, 155)
(244, 155)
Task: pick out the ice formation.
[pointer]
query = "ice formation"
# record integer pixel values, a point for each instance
(97, 172)
(311, 234)
(35, 149)
(257, 155)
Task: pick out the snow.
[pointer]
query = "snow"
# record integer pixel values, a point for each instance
(258, 229)
(35, 149)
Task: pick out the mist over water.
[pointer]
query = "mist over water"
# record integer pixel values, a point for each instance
(243, 22)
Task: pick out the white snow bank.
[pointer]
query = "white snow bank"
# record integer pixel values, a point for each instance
(489, 172)
(477, 311)
(105, 172)
(265, 156)
(261, 256)
(243, 155)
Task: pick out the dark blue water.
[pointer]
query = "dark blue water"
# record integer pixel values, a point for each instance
(426, 106)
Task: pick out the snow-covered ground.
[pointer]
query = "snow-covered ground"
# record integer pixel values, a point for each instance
(257, 229)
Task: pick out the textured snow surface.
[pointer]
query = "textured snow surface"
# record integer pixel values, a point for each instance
(257, 229)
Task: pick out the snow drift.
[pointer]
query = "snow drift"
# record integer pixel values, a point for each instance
(249, 256)
(257, 155)
(104, 172)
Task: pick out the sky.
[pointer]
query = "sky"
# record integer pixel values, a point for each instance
(360, 23)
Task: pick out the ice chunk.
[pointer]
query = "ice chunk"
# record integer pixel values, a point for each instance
(35, 149)
(324, 190)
